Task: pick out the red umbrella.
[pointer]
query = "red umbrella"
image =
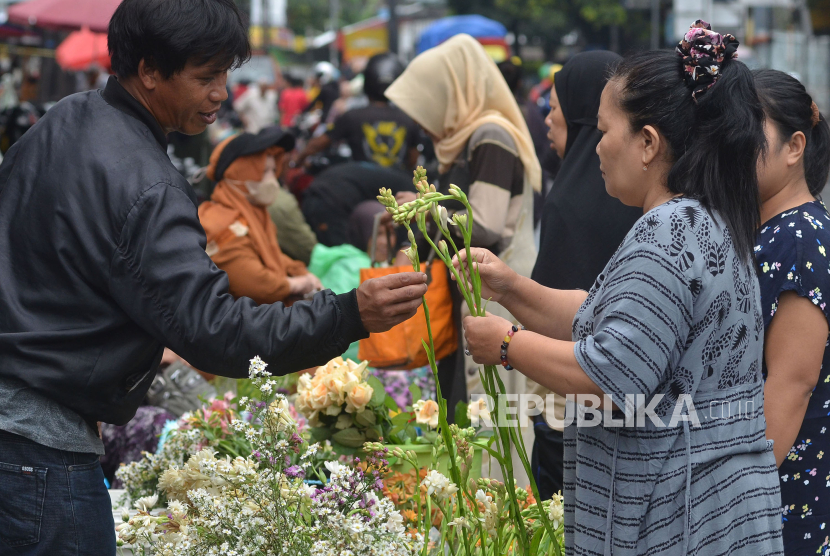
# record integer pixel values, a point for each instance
(81, 49)
(64, 14)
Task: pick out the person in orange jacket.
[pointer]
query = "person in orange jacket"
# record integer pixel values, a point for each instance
(241, 238)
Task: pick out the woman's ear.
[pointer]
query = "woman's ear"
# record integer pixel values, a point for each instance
(796, 146)
(652, 144)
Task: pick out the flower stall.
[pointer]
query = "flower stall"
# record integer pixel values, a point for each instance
(344, 469)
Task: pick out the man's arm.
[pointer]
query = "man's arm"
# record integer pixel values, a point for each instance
(313, 147)
(162, 278)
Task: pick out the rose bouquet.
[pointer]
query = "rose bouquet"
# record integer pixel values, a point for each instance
(345, 404)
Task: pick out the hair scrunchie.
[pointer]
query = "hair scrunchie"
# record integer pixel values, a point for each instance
(816, 117)
(703, 52)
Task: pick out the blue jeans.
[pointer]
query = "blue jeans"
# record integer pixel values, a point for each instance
(52, 503)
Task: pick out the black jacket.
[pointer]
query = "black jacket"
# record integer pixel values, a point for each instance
(103, 263)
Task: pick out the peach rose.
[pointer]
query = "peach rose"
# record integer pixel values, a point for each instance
(319, 396)
(426, 413)
(358, 398)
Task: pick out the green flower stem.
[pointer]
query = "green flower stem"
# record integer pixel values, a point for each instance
(506, 436)
(490, 372)
(442, 403)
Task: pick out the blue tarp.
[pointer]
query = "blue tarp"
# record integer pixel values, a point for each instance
(474, 25)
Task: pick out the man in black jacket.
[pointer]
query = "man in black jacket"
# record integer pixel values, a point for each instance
(103, 264)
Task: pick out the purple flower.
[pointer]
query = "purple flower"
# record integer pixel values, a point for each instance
(295, 471)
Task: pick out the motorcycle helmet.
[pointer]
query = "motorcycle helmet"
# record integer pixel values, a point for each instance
(325, 72)
(381, 70)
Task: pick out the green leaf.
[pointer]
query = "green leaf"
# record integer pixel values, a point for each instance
(461, 418)
(534, 543)
(372, 434)
(319, 434)
(365, 418)
(378, 391)
(415, 391)
(485, 446)
(430, 436)
(401, 419)
(391, 404)
(351, 437)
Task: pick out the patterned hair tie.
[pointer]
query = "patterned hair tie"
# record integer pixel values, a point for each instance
(816, 118)
(703, 52)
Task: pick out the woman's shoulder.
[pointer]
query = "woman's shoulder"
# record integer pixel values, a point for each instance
(672, 222)
(495, 134)
(793, 252)
(799, 230)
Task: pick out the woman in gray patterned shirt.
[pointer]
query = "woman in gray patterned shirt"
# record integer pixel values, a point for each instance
(670, 336)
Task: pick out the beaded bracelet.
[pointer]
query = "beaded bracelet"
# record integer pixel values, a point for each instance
(505, 344)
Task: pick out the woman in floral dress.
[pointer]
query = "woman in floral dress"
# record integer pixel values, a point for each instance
(794, 273)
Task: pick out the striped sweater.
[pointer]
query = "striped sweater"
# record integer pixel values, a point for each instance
(675, 313)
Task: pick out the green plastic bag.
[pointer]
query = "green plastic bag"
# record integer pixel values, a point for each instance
(338, 268)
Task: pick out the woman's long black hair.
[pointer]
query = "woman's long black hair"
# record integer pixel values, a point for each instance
(788, 105)
(714, 142)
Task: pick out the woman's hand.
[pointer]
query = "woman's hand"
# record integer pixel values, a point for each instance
(497, 279)
(484, 337)
(301, 285)
(316, 284)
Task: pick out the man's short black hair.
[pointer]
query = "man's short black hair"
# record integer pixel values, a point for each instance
(169, 33)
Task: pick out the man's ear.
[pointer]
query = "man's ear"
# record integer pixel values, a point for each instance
(652, 144)
(148, 74)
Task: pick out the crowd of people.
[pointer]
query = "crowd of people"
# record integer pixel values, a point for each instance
(653, 230)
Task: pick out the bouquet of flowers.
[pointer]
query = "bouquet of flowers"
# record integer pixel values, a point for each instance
(260, 504)
(207, 427)
(469, 282)
(345, 404)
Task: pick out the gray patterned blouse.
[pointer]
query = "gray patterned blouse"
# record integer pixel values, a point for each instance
(674, 317)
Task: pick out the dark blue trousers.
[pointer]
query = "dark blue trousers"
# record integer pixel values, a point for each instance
(52, 503)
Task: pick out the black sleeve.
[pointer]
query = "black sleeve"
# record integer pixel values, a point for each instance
(340, 128)
(164, 280)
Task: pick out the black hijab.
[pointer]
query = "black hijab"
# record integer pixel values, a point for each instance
(582, 225)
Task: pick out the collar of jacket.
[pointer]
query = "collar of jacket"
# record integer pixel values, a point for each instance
(118, 97)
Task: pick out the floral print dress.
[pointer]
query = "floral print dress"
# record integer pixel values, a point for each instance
(793, 254)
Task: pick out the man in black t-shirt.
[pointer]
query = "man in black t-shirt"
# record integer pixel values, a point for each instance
(379, 133)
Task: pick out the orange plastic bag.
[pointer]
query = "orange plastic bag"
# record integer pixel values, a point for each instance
(401, 347)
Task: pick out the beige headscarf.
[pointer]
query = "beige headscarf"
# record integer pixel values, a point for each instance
(455, 88)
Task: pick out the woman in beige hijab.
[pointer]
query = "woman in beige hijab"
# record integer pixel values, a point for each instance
(458, 95)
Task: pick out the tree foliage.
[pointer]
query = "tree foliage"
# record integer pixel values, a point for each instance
(304, 15)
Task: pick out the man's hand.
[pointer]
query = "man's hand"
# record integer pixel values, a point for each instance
(390, 300)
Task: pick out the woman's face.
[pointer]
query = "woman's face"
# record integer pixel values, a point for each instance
(558, 127)
(620, 152)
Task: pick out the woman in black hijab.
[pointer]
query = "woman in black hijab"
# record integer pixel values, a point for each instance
(582, 225)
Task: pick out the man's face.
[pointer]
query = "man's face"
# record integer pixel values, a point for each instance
(189, 100)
